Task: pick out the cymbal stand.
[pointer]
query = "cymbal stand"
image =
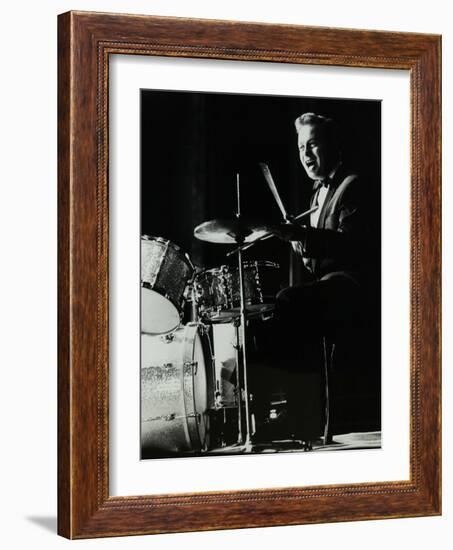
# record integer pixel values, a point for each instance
(240, 239)
(236, 323)
(269, 235)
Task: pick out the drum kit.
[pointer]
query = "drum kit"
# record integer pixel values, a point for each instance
(183, 382)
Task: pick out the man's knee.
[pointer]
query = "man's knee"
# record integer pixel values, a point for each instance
(285, 296)
(286, 305)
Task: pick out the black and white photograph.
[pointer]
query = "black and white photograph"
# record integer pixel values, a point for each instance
(227, 283)
(260, 274)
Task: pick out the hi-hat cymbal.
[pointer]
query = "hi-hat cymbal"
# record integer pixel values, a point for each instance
(230, 231)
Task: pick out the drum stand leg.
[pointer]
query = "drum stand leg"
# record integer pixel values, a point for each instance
(248, 437)
(238, 383)
(242, 328)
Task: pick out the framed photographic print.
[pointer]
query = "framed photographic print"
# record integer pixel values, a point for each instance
(249, 275)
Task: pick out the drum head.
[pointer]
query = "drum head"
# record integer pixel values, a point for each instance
(159, 315)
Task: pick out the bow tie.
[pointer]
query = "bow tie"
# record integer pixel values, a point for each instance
(322, 183)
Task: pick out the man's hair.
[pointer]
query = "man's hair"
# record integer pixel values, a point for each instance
(328, 126)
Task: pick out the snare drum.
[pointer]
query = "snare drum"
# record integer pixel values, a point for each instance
(176, 391)
(217, 290)
(165, 272)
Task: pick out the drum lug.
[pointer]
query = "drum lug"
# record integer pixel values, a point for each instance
(258, 283)
(189, 261)
(164, 417)
(198, 292)
(193, 365)
(188, 292)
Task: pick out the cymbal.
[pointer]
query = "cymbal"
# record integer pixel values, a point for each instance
(230, 231)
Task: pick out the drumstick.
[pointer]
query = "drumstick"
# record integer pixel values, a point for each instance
(300, 216)
(269, 235)
(248, 245)
(273, 189)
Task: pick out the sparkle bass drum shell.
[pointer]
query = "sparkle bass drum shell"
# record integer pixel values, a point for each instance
(176, 392)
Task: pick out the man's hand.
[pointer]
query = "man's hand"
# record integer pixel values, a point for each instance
(289, 232)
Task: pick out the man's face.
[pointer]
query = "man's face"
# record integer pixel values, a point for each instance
(314, 152)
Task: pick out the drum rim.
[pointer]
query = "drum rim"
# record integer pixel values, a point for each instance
(170, 244)
(169, 299)
(257, 263)
(228, 269)
(219, 269)
(162, 240)
(191, 331)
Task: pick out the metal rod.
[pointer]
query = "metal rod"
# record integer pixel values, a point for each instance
(242, 327)
(194, 309)
(238, 385)
(249, 245)
(270, 234)
(244, 352)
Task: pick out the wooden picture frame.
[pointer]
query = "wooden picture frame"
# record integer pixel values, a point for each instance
(85, 41)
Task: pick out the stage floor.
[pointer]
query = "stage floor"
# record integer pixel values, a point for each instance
(341, 442)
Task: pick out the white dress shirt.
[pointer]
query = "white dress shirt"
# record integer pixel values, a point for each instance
(321, 194)
(319, 202)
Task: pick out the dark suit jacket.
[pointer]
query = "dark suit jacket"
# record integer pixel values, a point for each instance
(339, 243)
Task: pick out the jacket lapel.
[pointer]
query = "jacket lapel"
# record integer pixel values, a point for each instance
(338, 177)
(323, 214)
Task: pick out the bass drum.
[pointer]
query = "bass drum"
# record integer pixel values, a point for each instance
(176, 392)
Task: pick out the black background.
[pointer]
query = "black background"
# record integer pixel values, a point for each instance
(193, 144)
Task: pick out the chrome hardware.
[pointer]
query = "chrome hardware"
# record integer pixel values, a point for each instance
(193, 365)
(172, 416)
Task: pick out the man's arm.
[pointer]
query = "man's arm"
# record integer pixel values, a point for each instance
(348, 236)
